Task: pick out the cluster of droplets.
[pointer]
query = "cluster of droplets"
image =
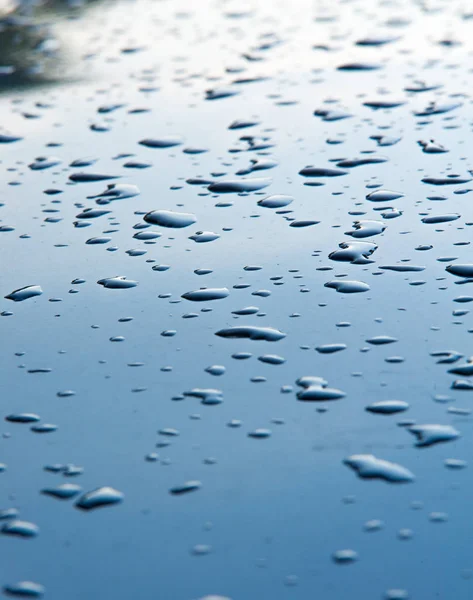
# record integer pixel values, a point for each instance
(338, 217)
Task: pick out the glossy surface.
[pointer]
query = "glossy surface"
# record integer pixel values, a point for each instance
(235, 292)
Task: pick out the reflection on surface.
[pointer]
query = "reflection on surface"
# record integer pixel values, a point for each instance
(33, 50)
(235, 302)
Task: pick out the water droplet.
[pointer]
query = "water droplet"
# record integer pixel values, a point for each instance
(461, 270)
(331, 348)
(348, 287)
(239, 185)
(383, 196)
(438, 517)
(90, 177)
(364, 229)
(374, 525)
(9, 513)
(456, 180)
(267, 334)
(19, 528)
(118, 191)
(24, 589)
(272, 359)
(432, 147)
(248, 310)
(381, 340)
(9, 139)
(22, 418)
(260, 433)
(201, 550)
(321, 172)
(119, 282)
(332, 115)
(44, 162)
(345, 557)
(44, 428)
(275, 201)
(368, 466)
(357, 253)
(387, 407)
(206, 294)
(403, 268)
(171, 219)
(92, 213)
(104, 496)
(189, 486)
(164, 142)
(25, 293)
(350, 163)
(64, 491)
(428, 435)
(455, 463)
(202, 237)
(207, 396)
(316, 389)
(440, 219)
(396, 595)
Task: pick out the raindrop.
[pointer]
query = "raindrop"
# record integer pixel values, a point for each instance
(381, 340)
(91, 177)
(267, 334)
(64, 491)
(272, 359)
(461, 270)
(428, 435)
(164, 142)
(22, 418)
(204, 236)
(260, 433)
(321, 172)
(348, 287)
(25, 293)
(19, 528)
(383, 196)
(189, 486)
(104, 496)
(368, 466)
(316, 389)
(455, 464)
(118, 191)
(345, 557)
(24, 589)
(168, 218)
(207, 396)
(206, 294)
(239, 185)
(275, 201)
(119, 282)
(434, 220)
(331, 348)
(387, 407)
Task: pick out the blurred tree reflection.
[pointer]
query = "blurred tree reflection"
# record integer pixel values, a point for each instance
(30, 50)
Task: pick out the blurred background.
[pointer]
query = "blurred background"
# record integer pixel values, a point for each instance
(31, 39)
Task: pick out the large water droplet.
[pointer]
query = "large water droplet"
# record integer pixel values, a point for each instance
(368, 466)
(267, 334)
(104, 496)
(24, 293)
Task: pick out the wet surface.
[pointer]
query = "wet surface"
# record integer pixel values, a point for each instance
(236, 243)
